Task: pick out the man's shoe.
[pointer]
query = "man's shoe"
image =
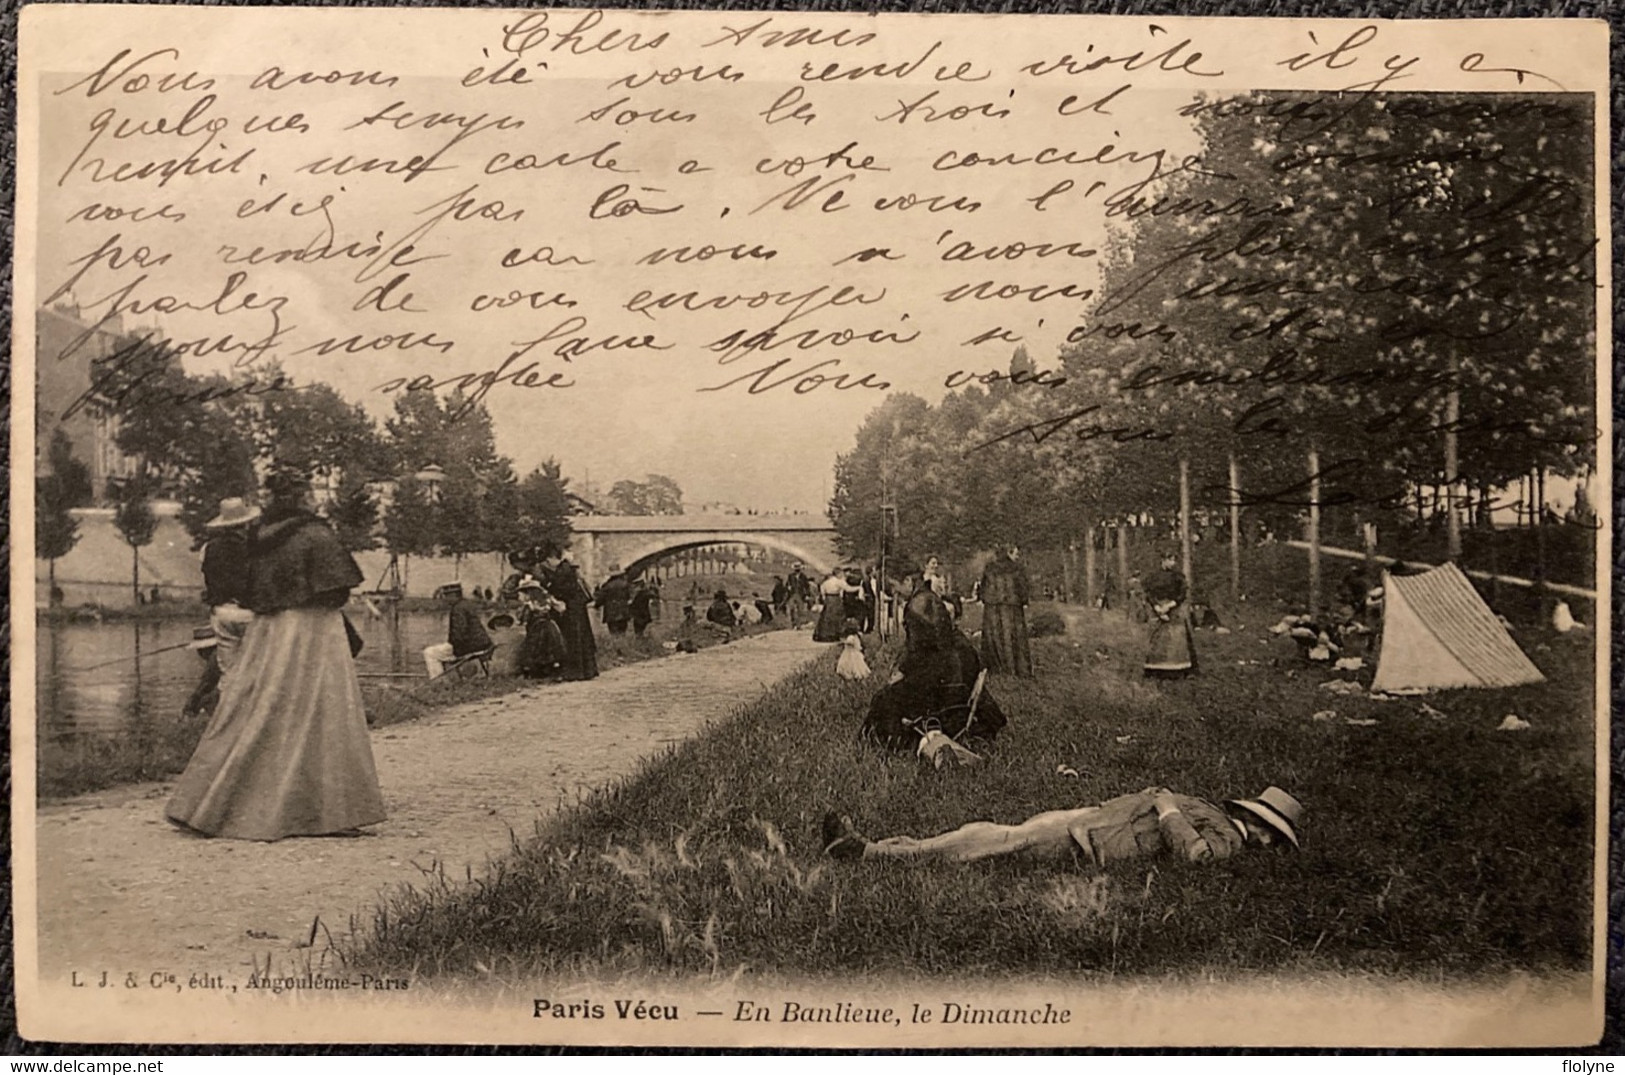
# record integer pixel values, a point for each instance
(841, 841)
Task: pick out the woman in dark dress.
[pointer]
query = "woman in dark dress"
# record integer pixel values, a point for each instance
(1172, 650)
(541, 654)
(1004, 595)
(933, 684)
(564, 582)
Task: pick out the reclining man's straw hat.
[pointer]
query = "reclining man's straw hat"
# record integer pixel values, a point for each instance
(1276, 809)
(234, 511)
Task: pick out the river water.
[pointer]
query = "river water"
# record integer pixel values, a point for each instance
(89, 681)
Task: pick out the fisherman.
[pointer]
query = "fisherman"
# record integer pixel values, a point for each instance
(465, 634)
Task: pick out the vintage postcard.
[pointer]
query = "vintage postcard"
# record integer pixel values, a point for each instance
(746, 528)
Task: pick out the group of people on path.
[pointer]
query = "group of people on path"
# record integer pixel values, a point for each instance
(555, 611)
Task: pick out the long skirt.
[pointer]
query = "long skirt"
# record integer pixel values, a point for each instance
(1005, 646)
(1172, 650)
(287, 751)
(831, 620)
(580, 647)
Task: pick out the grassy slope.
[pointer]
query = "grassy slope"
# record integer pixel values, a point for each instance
(1435, 847)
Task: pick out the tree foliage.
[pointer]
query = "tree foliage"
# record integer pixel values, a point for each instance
(1330, 274)
(66, 486)
(136, 524)
(655, 495)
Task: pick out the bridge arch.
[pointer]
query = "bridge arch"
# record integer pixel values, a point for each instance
(665, 544)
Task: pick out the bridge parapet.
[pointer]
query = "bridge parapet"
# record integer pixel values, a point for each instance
(632, 540)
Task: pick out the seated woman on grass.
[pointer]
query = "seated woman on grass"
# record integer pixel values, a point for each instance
(1147, 823)
(933, 686)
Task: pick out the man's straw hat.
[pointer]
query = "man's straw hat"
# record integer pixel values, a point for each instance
(204, 638)
(234, 511)
(1276, 809)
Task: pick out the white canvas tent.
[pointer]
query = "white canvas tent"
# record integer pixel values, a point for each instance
(1438, 633)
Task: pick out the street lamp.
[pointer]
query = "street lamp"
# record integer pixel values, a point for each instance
(432, 477)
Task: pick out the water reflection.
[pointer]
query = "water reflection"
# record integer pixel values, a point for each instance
(110, 678)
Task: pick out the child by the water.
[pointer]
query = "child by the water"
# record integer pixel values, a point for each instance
(851, 664)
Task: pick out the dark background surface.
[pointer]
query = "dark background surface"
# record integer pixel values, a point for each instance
(1613, 1041)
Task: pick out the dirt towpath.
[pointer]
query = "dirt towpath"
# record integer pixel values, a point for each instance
(121, 890)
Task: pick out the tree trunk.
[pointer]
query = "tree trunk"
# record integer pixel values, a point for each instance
(1235, 529)
(1185, 522)
(135, 573)
(1089, 567)
(1122, 560)
(1314, 533)
(1540, 527)
(50, 593)
(1452, 416)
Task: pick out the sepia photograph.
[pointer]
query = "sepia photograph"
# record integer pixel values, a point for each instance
(789, 529)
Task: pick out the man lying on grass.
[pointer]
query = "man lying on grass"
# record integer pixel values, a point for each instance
(1140, 825)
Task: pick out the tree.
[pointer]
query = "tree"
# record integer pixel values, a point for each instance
(462, 527)
(544, 507)
(136, 524)
(870, 479)
(68, 471)
(317, 430)
(67, 486)
(354, 512)
(655, 495)
(411, 524)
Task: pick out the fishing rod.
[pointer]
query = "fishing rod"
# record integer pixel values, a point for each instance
(135, 656)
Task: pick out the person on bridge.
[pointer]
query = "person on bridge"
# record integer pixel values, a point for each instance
(1141, 825)
(613, 598)
(1004, 594)
(832, 615)
(287, 751)
(563, 581)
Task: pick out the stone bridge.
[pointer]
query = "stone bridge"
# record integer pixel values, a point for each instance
(636, 541)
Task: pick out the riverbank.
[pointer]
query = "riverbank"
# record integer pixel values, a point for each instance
(157, 746)
(1435, 846)
(119, 888)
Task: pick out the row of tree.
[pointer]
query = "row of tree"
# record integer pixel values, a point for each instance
(430, 481)
(1369, 308)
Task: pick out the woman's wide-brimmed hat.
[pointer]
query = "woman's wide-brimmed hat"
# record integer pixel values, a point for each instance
(529, 582)
(204, 638)
(1276, 809)
(234, 511)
